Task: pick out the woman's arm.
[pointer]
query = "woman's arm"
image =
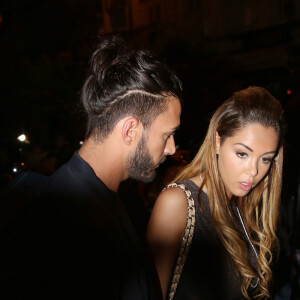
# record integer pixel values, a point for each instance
(165, 231)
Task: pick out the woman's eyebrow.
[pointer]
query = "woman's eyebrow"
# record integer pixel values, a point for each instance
(244, 146)
(269, 152)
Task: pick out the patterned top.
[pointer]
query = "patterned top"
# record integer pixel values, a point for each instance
(208, 272)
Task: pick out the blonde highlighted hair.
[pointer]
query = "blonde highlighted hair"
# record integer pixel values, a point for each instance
(260, 208)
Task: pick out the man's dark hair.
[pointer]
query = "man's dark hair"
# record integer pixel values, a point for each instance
(123, 82)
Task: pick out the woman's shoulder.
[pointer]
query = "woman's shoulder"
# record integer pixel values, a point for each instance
(173, 194)
(168, 218)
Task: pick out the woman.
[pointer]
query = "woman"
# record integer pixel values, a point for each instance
(235, 185)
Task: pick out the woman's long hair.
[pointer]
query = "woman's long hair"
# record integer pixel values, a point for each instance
(260, 208)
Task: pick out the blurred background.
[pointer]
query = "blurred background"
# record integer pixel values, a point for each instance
(215, 46)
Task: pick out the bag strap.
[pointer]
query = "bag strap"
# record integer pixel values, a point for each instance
(186, 240)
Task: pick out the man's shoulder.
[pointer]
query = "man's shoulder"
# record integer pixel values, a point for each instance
(68, 203)
(75, 192)
(71, 185)
(65, 185)
(74, 177)
(63, 178)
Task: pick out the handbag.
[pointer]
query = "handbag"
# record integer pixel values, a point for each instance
(186, 240)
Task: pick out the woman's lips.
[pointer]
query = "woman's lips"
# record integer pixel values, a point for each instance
(246, 186)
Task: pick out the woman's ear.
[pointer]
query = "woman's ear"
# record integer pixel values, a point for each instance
(217, 142)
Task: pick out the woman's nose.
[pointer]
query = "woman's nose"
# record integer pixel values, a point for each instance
(253, 168)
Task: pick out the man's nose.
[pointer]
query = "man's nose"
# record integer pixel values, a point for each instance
(170, 148)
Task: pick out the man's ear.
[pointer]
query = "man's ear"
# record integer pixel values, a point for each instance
(130, 130)
(217, 142)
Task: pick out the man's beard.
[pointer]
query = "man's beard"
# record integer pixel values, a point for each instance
(140, 164)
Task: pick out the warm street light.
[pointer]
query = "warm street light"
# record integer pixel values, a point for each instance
(23, 138)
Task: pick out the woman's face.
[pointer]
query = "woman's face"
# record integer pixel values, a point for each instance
(246, 157)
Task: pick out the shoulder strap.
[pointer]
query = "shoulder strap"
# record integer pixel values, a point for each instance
(186, 240)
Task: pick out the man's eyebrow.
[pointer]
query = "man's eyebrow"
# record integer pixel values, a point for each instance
(172, 130)
(175, 128)
(269, 152)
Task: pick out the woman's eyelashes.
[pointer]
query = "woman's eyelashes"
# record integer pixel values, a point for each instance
(241, 154)
(265, 160)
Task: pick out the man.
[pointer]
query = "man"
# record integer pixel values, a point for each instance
(81, 243)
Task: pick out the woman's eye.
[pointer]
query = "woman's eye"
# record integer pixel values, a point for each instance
(241, 154)
(267, 160)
